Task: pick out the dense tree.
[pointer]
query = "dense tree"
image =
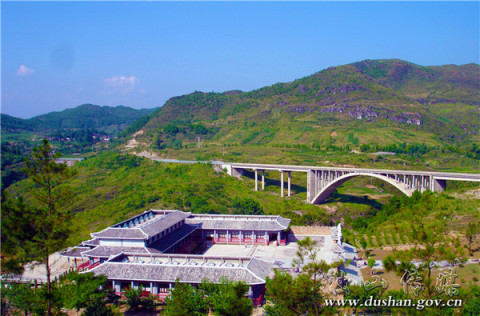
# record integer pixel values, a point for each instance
(51, 223)
(227, 298)
(247, 206)
(81, 290)
(472, 233)
(185, 300)
(135, 299)
(300, 295)
(371, 263)
(287, 295)
(22, 297)
(16, 234)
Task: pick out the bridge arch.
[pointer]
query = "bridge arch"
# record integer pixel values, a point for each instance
(330, 188)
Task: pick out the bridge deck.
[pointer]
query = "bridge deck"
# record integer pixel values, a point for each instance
(437, 175)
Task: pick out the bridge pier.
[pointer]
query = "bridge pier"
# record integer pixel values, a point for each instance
(311, 179)
(289, 183)
(439, 185)
(263, 179)
(281, 183)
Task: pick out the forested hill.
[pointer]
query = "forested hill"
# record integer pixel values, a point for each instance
(372, 101)
(82, 116)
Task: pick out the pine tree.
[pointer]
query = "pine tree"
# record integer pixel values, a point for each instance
(52, 224)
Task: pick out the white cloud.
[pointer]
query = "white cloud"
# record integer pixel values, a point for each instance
(125, 84)
(24, 71)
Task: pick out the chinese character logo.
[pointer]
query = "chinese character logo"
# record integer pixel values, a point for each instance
(445, 283)
(411, 279)
(374, 282)
(338, 285)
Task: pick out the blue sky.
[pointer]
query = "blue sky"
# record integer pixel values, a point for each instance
(58, 55)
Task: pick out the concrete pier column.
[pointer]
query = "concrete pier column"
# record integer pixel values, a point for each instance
(263, 179)
(281, 183)
(310, 185)
(289, 183)
(439, 185)
(236, 172)
(256, 180)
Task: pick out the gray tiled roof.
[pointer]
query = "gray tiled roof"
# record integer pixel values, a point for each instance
(238, 224)
(285, 222)
(91, 242)
(113, 232)
(172, 238)
(260, 268)
(164, 222)
(105, 251)
(166, 273)
(75, 252)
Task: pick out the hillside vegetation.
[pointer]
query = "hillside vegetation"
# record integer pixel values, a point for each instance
(82, 129)
(112, 187)
(375, 103)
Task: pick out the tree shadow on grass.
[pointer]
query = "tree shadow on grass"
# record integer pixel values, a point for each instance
(346, 198)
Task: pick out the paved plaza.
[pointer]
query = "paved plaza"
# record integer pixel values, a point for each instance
(281, 255)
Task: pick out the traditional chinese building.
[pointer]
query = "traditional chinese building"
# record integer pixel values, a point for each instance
(157, 247)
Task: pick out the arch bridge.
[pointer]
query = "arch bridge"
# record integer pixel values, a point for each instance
(322, 181)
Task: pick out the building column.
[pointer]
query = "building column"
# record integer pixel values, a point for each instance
(256, 180)
(214, 235)
(263, 179)
(278, 238)
(266, 238)
(289, 183)
(281, 183)
(240, 236)
(228, 237)
(253, 237)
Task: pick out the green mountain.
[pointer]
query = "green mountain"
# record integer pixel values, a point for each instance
(378, 101)
(72, 131)
(82, 116)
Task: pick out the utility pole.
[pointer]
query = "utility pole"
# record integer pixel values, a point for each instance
(198, 144)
